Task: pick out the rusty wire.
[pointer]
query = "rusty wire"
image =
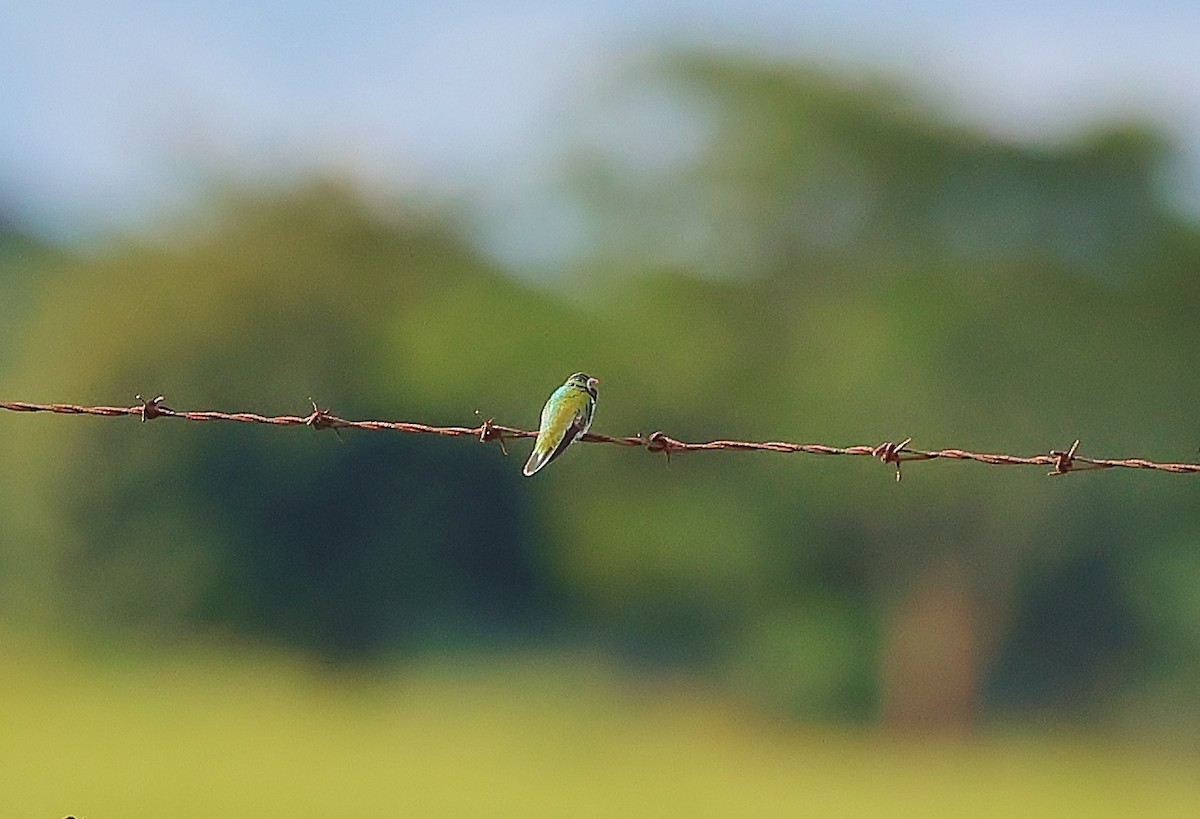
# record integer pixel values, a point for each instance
(1061, 462)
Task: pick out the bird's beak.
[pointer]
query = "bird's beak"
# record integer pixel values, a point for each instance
(593, 382)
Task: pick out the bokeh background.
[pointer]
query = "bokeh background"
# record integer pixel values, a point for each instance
(831, 222)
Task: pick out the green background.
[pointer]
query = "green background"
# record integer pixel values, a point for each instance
(218, 619)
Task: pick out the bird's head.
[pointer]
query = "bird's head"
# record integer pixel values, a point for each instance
(584, 382)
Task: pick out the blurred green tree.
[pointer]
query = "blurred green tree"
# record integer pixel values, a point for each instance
(348, 548)
(888, 273)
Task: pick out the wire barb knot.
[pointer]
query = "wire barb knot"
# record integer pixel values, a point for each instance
(659, 441)
(1064, 462)
(149, 410)
(889, 453)
(319, 418)
(488, 432)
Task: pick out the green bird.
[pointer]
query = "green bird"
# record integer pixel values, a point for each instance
(565, 418)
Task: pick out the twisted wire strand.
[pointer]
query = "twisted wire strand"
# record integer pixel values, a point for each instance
(1061, 462)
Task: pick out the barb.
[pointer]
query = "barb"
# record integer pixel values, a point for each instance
(1060, 462)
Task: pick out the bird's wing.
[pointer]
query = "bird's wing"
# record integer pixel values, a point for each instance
(562, 422)
(574, 430)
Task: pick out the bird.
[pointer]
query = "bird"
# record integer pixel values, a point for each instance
(565, 419)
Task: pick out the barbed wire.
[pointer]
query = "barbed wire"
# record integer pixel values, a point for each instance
(1060, 461)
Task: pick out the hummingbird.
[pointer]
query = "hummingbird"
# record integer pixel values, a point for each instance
(565, 418)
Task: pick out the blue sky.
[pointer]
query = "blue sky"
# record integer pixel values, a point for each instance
(111, 113)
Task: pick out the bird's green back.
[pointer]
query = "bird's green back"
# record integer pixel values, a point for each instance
(565, 406)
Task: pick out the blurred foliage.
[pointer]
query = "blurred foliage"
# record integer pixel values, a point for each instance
(828, 262)
(23, 262)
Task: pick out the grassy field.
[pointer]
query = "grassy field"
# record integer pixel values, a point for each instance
(213, 735)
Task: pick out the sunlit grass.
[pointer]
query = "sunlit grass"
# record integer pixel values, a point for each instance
(215, 735)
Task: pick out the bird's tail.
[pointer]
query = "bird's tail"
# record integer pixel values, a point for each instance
(537, 459)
